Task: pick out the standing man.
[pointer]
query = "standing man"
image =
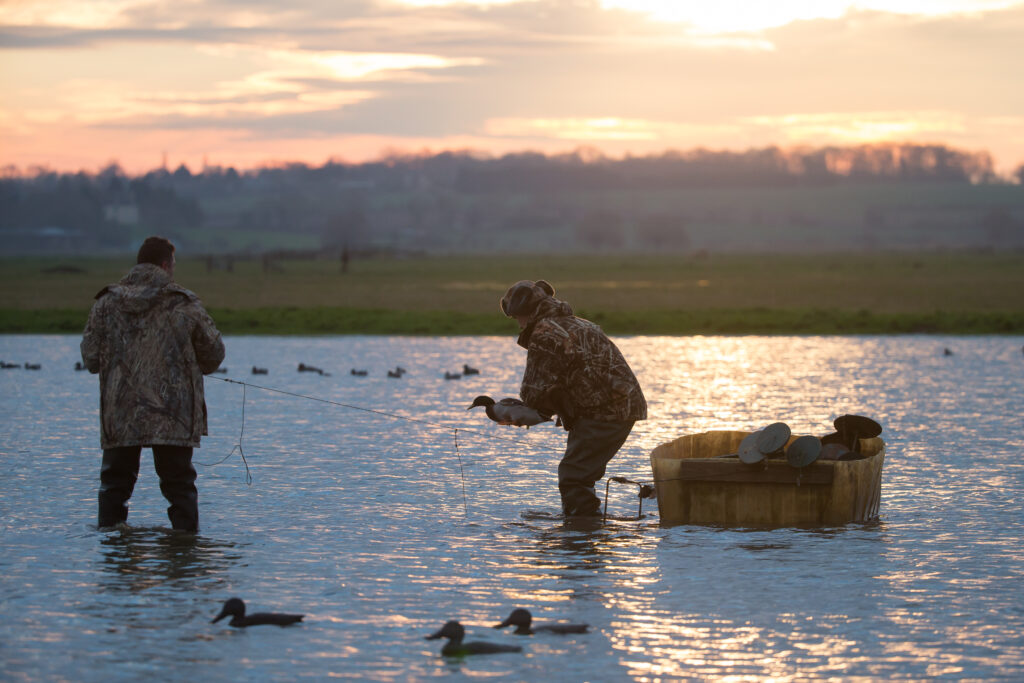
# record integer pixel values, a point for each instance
(574, 370)
(151, 341)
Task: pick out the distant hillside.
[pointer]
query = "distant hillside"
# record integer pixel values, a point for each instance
(874, 197)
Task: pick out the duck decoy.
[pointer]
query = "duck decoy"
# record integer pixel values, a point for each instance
(358, 373)
(803, 451)
(853, 428)
(235, 608)
(523, 621)
(221, 371)
(947, 352)
(7, 366)
(455, 647)
(467, 370)
(452, 375)
(509, 411)
(309, 368)
(394, 373)
(258, 371)
(33, 366)
(79, 365)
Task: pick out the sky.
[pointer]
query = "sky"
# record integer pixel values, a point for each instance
(251, 83)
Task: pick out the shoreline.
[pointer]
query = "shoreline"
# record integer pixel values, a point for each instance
(312, 321)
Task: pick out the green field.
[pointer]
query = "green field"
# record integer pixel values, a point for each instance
(842, 293)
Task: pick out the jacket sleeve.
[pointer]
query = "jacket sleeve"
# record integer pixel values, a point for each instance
(92, 339)
(544, 374)
(207, 342)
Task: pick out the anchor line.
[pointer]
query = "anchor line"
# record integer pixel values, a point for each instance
(374, 411)
(465, 502)
(382, 413)
(237, 447)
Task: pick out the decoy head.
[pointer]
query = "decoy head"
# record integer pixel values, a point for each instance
(452, 630)
(520, 618)
(481, 401)
(233, 607)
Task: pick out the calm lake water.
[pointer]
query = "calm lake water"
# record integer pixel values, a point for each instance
(379, 529)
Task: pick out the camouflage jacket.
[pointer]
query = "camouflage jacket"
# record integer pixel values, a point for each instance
(151, 341)
(573, 369)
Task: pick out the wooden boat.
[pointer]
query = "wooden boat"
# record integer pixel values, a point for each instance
(698, 484)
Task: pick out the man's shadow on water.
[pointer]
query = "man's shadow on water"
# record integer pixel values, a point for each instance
(135, 559)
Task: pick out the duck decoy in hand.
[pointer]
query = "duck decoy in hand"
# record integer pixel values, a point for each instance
(235, 608)
(454, 632)
(523, 621)
(509, 411)
(467, 370)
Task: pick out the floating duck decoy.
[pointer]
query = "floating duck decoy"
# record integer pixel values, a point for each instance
(309, 368)
(467, 370)
(221, 371)
(452, 375)
(79, 365)
(454, 632)
(509, 411)
(7, 366)
(235, 608)
(32, 366)
(358, 373)
(947, 352)
(258, 371)
(394, 373)
(523, 621)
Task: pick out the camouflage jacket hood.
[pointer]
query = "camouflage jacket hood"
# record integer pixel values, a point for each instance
(575, 370)
(151, 341)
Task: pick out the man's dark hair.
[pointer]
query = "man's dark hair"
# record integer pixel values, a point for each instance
(155, 250)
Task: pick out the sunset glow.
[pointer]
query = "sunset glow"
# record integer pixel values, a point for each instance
(125, 80)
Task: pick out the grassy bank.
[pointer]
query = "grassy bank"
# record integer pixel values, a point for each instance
(320, 320)
(869, 293)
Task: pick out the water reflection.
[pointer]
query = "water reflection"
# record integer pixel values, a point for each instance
(136, 559)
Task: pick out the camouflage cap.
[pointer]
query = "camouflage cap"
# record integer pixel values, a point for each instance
(522, 297)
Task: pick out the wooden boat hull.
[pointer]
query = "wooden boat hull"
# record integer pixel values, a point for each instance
(695, 486)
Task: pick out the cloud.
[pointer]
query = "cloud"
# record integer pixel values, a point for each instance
(543, 72)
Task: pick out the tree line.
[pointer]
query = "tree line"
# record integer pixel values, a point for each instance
(407, 195)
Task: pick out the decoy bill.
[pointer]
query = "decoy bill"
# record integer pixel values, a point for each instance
(509, 411)
(235, 608)
(523, 621)
(455, 647)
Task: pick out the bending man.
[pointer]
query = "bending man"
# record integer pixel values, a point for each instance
(151, 341)
(574, 370)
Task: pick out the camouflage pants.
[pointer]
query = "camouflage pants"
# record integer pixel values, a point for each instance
(120, 470)
(589, 449)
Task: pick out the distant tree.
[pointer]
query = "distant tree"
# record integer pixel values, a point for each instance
(663, 231)
(601, 229)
